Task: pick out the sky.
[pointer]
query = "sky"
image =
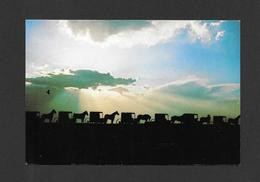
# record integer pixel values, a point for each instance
(142, 66)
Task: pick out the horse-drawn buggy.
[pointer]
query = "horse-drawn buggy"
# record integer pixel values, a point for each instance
(161, 118)
(80, 117)
(186, 119)
(65, 117)
(234, 121)
(96, 117)
(128, 118)
(219, 120)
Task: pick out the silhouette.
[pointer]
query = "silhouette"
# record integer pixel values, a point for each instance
(80, 116)
(157, 143)
(110, 117)
(145, 117)
(96, 117)
(161, 118)
(234, 121)
(128, 118)
(65, 117)
(205, 120)
(219, 120)
(186, 118)
(175, 118)
(48, 116)
(48, 92)
(189, 118)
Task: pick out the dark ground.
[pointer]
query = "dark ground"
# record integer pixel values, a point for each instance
(156, 144)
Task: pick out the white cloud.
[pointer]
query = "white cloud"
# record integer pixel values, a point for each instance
(197, 95)
(50, 44)
(199, 31)
(216, 23)
(147, 33)
(185, 80)
(219, 35)
(43, 67)
(200, 88)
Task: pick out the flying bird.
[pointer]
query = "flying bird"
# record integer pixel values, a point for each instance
(48, 92)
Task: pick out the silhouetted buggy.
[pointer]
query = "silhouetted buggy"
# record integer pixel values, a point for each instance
(80, 117)
(143, 117)
(128, 118)
(65, 117)
(186, 119)
(96, 117)
(205, 120)
(219, 120)
(234, 121)
(48, 117)
(189, 118)
(161, 118)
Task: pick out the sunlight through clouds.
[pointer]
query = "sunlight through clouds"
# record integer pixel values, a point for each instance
(144, 66)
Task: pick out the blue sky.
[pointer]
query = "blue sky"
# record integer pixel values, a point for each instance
(218, 60)
(193, 55)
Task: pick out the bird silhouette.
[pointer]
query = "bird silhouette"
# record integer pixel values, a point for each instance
(48, 92)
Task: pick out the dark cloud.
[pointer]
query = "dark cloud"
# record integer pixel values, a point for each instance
(99, 30)
(79, 79)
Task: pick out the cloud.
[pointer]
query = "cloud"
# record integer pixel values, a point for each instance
(199, 31)
(198, 96)
(42, 67)
(78, 79)
(99, 30)
(219, 35)
(192, 94)
(197, 88)
(120, 90)
(131, 33)
(216, 23)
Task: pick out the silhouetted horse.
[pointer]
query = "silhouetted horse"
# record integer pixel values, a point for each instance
(110, 117)
(234, 120)
(205, 119)
(145, 117)
(175, 118)
(48, 116)
(80, 116)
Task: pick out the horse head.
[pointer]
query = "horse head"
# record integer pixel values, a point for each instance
(116, 113)
(85, 112)
(53, 111)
